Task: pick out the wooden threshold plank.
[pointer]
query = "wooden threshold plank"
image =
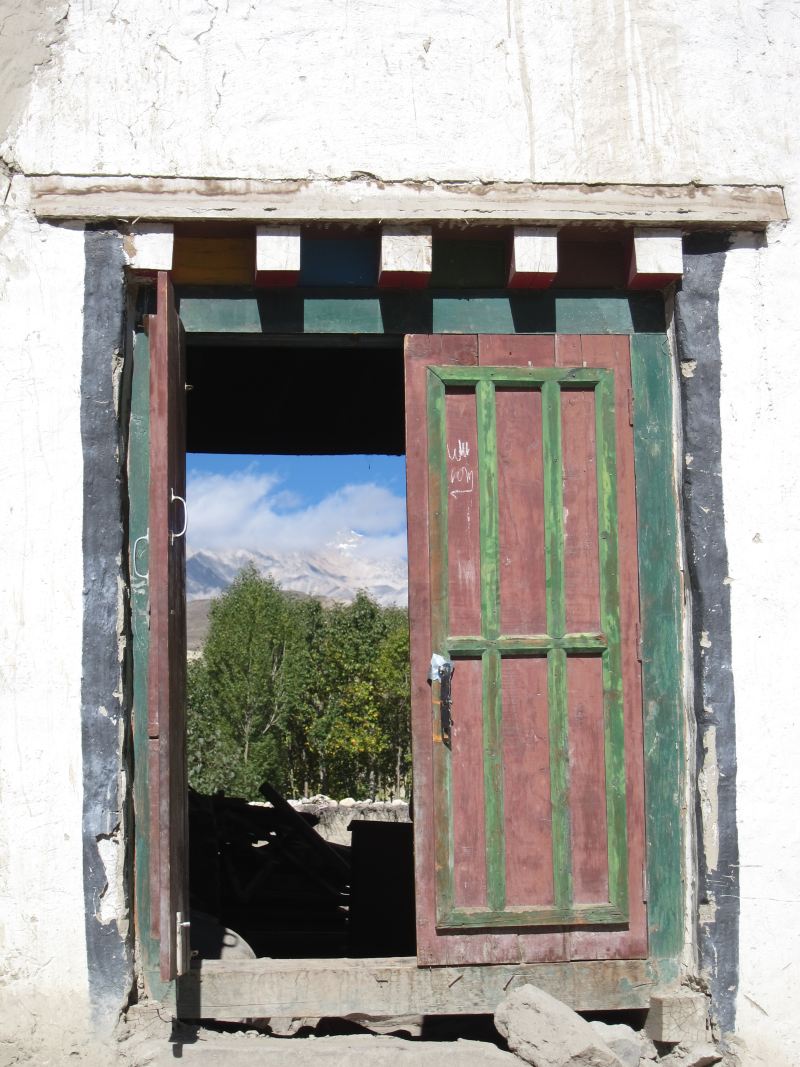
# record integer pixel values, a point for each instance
(127, 197)
(246, 989)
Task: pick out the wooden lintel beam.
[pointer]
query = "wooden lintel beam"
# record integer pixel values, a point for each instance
(58, 196)
(240, 989)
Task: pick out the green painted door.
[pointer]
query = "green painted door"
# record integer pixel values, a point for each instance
(528, 755)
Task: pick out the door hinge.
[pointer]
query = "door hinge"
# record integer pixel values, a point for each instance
(645, 886)
(639, 648)
(182, 938)
(630, 406)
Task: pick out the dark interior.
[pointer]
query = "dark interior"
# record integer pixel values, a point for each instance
(281, 398)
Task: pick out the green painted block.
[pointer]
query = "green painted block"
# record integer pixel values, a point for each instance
(472, 314)
(204, 311)
(342, 314)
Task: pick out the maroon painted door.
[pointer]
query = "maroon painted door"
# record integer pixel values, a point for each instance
(523, 580)
(167, 661)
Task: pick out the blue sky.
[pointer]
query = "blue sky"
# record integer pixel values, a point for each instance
(297, 503)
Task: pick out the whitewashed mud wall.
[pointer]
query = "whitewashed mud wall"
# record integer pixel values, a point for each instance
(42, 946)
(582, 90)
(760, 400)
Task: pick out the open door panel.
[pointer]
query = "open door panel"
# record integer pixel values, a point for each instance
(167, 663)
(523, 579)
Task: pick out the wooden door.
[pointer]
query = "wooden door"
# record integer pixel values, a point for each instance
(528, 792)
(167, 663)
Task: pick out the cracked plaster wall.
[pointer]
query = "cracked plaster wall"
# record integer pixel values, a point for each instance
(582, 90)
(760, 400)
(42, 943)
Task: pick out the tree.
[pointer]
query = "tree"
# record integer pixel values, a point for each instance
(312, 699)
(240, 698)
(394, 693)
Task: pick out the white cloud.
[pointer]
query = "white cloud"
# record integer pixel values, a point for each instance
(249, 510)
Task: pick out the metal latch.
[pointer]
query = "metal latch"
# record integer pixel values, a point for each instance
(182, 927)
(441, 672)
(145, 537)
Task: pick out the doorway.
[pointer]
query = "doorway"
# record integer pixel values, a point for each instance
(298, 677)
(498, 938)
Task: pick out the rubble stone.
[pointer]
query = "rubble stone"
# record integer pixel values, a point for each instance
(631, 1046)
(546, 1033)
(697, 1056)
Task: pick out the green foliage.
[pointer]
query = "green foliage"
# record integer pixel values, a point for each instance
(312, 699)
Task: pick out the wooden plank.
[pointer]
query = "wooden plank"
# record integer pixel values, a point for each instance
(529, 872)
(265, 988)
(467, 799)
(587, 779)
(556, 658)
(526, 762)
(439, 800)
(559, 777)
(420, 352)
(581, 560)
(660, 576)
(498, 313)
(521, 513)
(605, 431)
(167, 660)
(529, 378)
(464, 515)
(146, 852)
(613, 352)
(520, 203)
(490, 628)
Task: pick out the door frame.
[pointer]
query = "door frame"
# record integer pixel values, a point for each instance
(641, 316)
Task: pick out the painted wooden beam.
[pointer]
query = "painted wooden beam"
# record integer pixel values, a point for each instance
(149, 247)
(534, 257)
(277, 256)
(521, 203)
(261, 988)
(406, 257)
(656, 258)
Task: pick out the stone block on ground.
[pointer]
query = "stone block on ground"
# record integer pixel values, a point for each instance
(631, 1046)
(678, 1018)
(546, 1033)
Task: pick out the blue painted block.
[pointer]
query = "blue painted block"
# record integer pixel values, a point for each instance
(335, 261)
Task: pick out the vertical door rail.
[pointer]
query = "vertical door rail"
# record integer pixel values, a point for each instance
(167, 662)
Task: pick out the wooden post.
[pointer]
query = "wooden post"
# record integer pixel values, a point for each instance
(277, 256)
(406, 257)
(149, 248)
(656, 258)
(534, 257)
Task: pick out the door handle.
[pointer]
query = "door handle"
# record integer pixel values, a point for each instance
(446, 701)
(173, 496)
(442, 672)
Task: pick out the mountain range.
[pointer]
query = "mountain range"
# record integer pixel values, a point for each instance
(337, 572)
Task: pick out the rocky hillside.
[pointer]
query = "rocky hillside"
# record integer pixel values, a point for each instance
(335, 573)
